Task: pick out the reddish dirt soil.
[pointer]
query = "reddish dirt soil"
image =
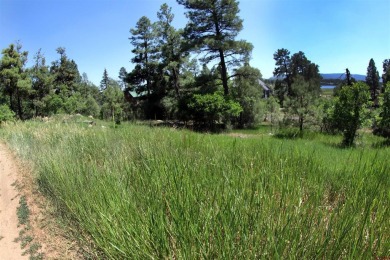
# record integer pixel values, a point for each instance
(16, 180)
(9, 201)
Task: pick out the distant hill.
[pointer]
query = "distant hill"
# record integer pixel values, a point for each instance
(341, 76)
(333, 76)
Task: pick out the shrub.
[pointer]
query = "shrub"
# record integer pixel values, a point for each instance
(210, 109)
(382, 127)
(6, 114)
(351, 110)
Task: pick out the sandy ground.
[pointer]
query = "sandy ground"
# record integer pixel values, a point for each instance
(16, 180)
(9, 201)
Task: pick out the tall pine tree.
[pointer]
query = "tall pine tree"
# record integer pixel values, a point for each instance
(41, 84)
(372, 80)
(386, 73)
(143, 38)
(212, 28)
(170, 43)
(14, 80)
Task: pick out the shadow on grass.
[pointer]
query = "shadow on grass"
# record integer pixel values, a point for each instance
(294, 133)
(381, 144)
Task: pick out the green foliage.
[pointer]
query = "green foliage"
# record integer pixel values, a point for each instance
(112, 98)
(53, 104)
(14, 81)
(6, 114)
(273, 113)
(212, 28)
(143, 39)
(351, 110)
(288, 68)
(66, 75)
(382, 127)
(210, 109)
(248, 93)
(328, 123)
(91, 107)
(170, 45)
(170, 105)
(372, 80)
(23, 211)
(300, 106)
(386, 73)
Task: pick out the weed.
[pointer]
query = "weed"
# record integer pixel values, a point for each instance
(23, 211)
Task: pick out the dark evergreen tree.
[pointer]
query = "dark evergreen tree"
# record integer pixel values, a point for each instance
(382, 127)
(212, 28)
(66, 75)
(170, 43)
(14, 80)
(66, 83)
(372, 80)
(301, 105)
(143, 38)
(349, 79)
(105, 81)
(386, 73)
(289, 68)
(112, 98)
(122, 78)
(283, 72)
(42, 82)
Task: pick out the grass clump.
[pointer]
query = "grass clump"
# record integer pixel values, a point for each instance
(143, 193)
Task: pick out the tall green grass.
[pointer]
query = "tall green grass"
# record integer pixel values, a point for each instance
(147, 193)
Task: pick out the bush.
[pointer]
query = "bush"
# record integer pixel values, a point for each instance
(210, 109)
(351, 110)
(382, 127)
(6, 114)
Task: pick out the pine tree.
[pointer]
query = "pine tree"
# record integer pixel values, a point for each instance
(122, 77)
(143, 38)
(41, 83)
(66, 75)
(386, 73)
(14, 80)
(283, 72)
(301, 104)
(105, 81)
(170, 43)
(289, 68)
(212, 28)
(112, 98)
(372, 80)
(383, 127)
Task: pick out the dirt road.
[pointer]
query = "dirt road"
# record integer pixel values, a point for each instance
(9, 201)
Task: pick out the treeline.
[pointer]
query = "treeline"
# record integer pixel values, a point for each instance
(218, 88)
(44, 90)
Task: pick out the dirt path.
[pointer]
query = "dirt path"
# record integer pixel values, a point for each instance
(44, 236)
(9, 201)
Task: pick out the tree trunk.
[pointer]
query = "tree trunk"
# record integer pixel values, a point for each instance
(224, 73)
(11, 103)
(19, 105)
(300, 123)
(176, 82)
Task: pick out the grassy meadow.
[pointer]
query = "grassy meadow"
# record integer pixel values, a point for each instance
(138, 192)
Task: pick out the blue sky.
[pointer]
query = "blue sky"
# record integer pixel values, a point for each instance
(335, 34)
